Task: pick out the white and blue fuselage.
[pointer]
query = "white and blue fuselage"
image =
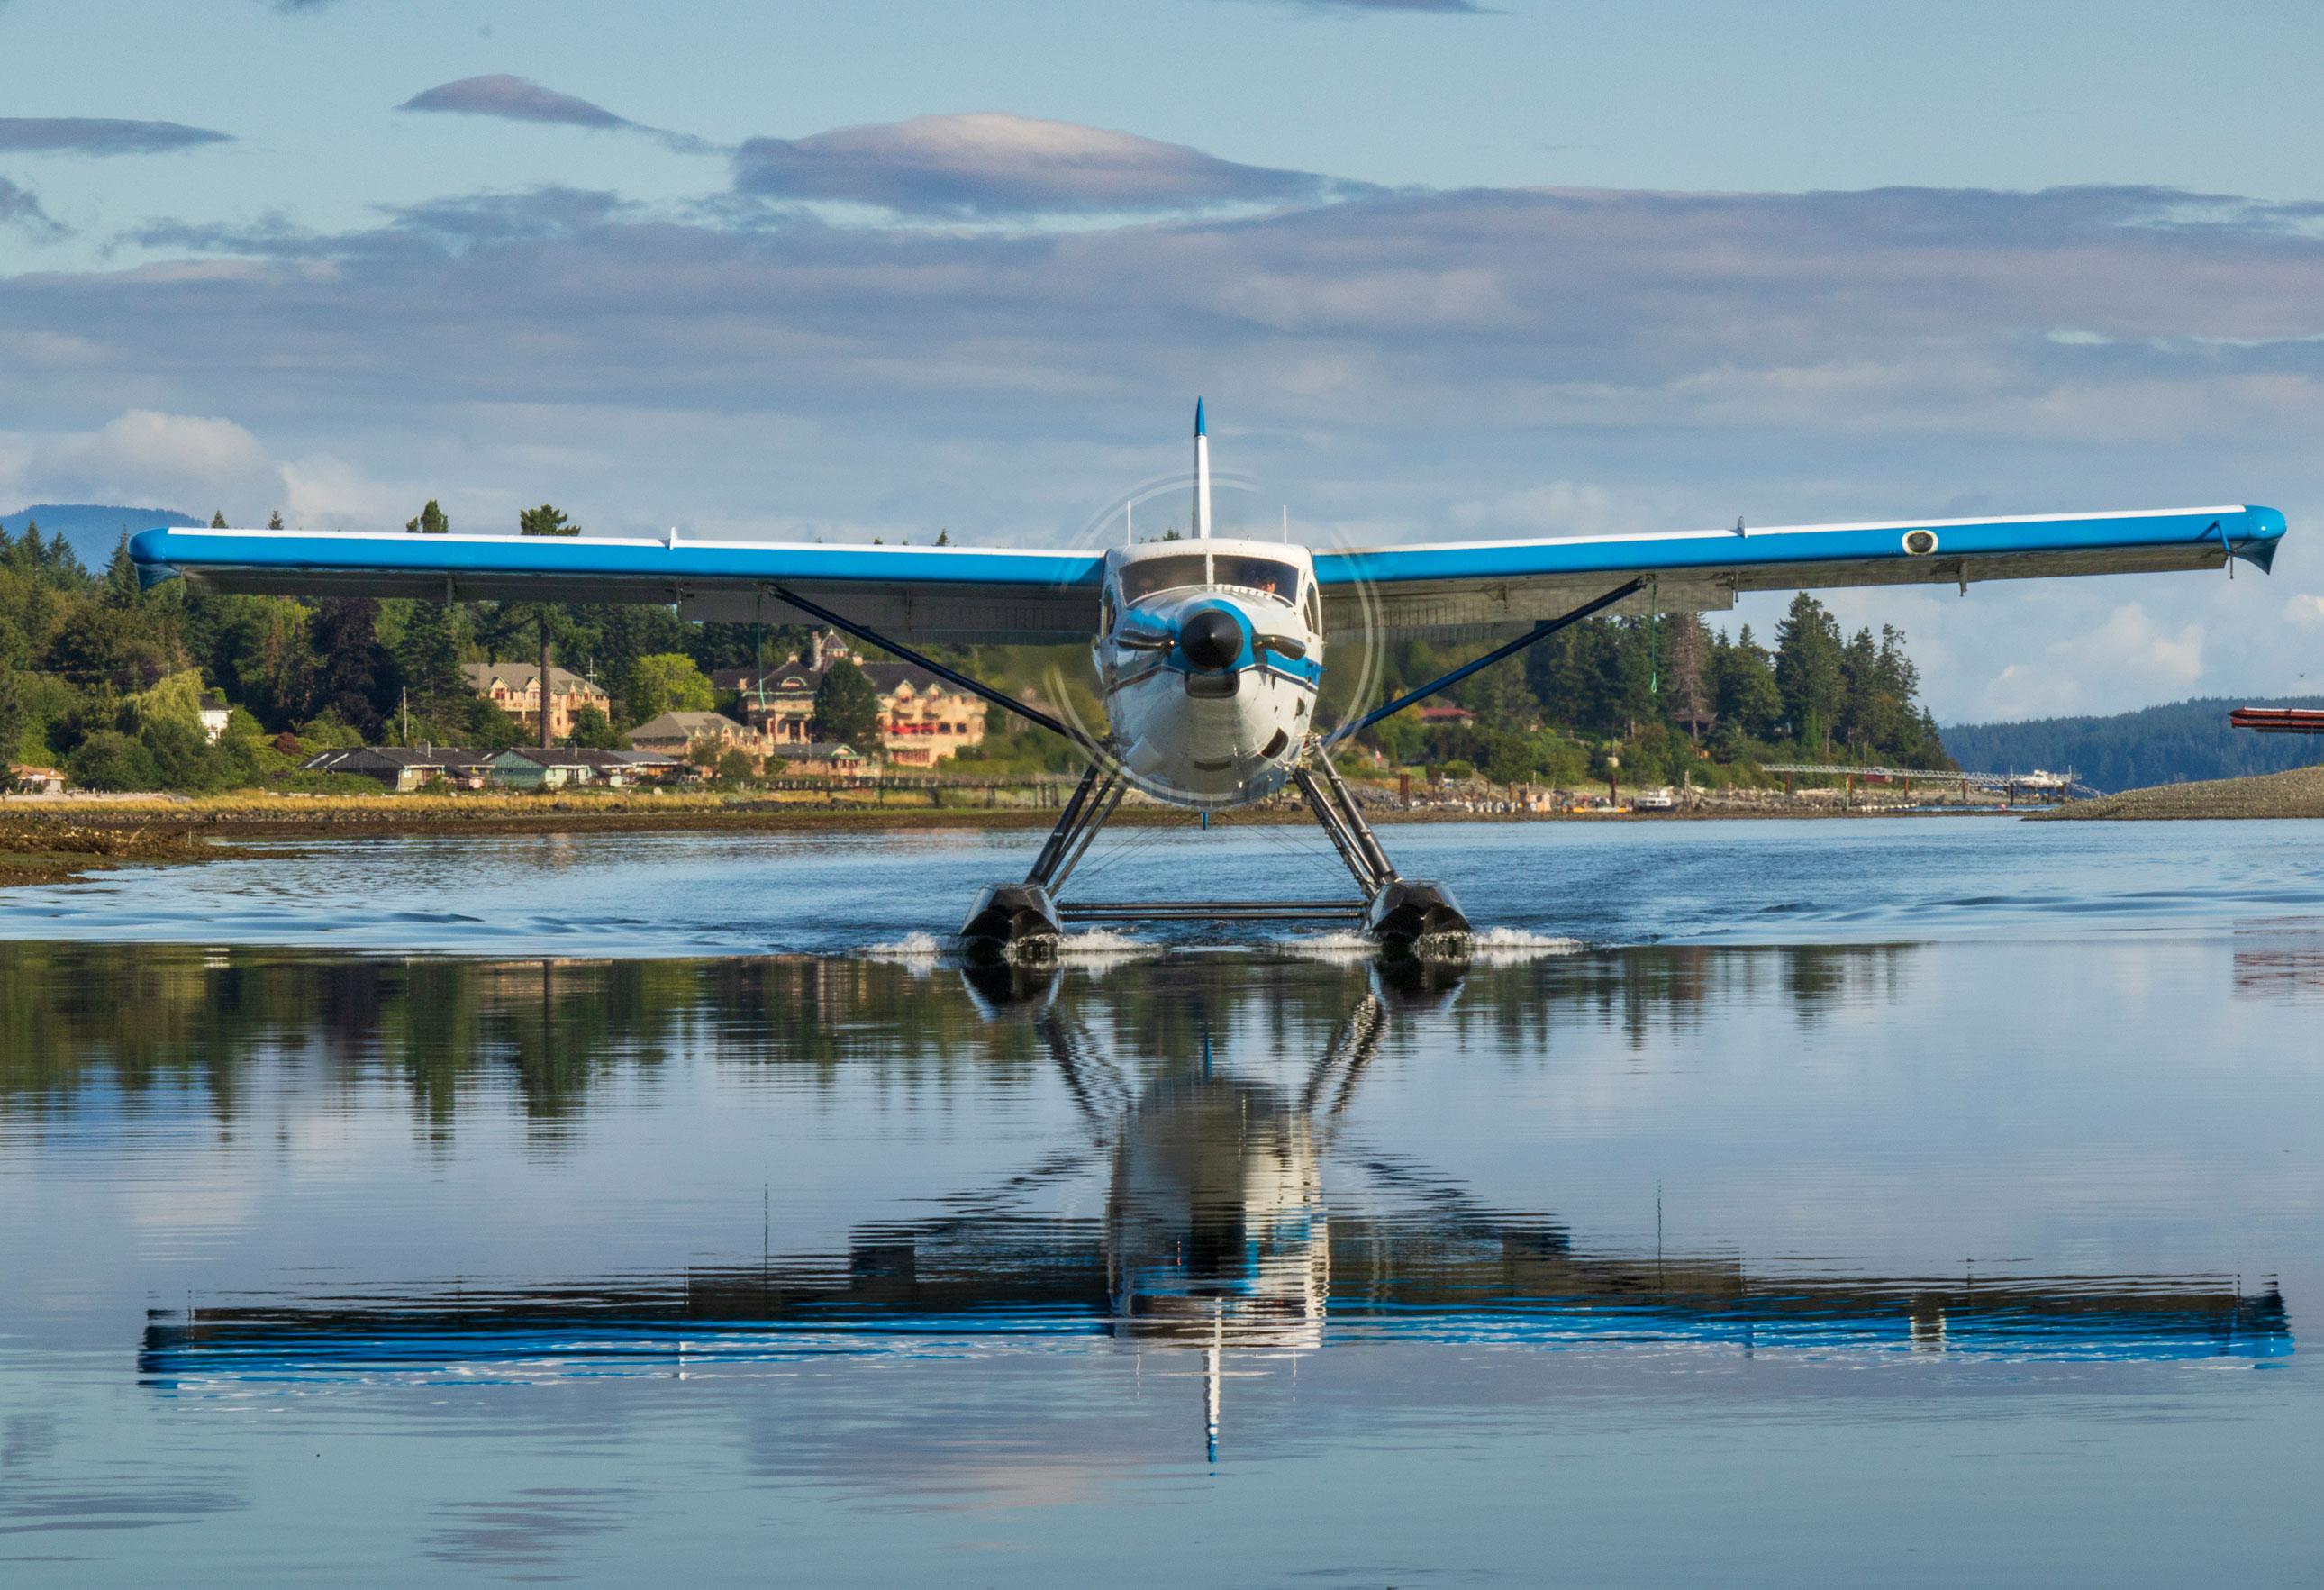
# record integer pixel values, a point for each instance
(1208, 655)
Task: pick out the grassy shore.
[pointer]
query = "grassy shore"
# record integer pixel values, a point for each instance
(2294, 794)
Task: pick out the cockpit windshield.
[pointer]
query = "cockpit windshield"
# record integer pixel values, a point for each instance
(1142, 579)
(1263, 574)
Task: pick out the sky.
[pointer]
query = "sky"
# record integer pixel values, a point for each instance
(1439, 269)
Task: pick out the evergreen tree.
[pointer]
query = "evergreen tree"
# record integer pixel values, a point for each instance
(1744, 693)
(429, 656)
(1809, 672)
(1686, 680)
(12, 713)
(432, 521)
(25, 555)
(541, 521)
(121, 588)
(354, 676)
(1501, 700)
(1869, 714)
(217, 519)
(847, 707)
(274, 520)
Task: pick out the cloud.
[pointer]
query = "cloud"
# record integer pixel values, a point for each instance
(514, 99)
(21, 208)
(145, 456)
(72, 135)
(2130, 650)
(1394, 364)
(995, 164)
(517, 99)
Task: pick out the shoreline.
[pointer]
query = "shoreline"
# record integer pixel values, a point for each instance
(51, 840)
(2298, 794)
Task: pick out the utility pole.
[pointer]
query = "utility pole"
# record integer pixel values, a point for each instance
(547, 740)
(407, 713)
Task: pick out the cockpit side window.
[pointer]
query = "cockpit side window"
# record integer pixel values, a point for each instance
(1142, 579)
(1263, 574)
(1315, 608)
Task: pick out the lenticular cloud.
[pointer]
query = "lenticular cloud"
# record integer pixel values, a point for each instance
(994, 164)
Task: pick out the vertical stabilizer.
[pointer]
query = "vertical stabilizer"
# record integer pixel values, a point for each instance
(1202, 476)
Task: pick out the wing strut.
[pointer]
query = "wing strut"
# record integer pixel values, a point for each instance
(1540, 632)
(1033, 714)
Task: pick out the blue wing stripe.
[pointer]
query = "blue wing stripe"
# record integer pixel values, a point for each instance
(2249, 533)
(603, 557)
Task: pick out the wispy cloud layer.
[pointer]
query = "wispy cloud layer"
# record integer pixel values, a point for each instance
(1394, 363)
(993, 164)
(20, 208)
(518, 99)
(73, 134)
(515, 99)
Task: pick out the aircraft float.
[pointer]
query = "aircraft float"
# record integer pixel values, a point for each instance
(1210, 648)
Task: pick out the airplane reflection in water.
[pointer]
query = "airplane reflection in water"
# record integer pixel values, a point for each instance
(1217, 1236)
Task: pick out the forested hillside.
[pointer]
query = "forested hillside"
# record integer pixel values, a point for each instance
(2176, 744)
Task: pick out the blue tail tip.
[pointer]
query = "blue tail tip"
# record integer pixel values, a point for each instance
(1198, 418)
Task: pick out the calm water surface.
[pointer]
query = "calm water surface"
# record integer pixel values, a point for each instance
(1920, 1201)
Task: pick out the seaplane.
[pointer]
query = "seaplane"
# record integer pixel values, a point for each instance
(1208, 649)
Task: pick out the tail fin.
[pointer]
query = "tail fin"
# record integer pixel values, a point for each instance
(1202, 476)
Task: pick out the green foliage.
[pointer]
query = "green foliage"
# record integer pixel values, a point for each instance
(545, 520)
(176, 699)
(427, 657)
(847, 707)
(592, 730)
(1743, 688)
(121, 588)
(431, 521)
(110, 760)
(668, 681)
(1811, 672)
(734, 768)
(354, 676)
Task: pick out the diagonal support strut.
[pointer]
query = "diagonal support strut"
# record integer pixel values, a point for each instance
(1540, 632)
(951, 676)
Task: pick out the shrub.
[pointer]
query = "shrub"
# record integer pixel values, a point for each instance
(110, 760)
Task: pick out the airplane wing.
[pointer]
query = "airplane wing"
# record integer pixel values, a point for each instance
(980, 594)
(961, 595)
(1447, 588)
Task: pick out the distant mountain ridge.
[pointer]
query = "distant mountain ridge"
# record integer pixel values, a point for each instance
(91, 529)
(2178, 744)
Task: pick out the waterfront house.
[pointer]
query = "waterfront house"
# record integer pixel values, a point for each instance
(678, 733)
(31, 780)
(215, 715)
(623, 770)
(401, 769)
(515, 688)
(821, 759)
(529, 768)
(923, 720)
